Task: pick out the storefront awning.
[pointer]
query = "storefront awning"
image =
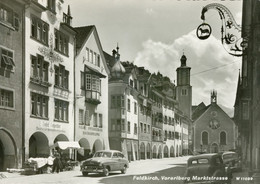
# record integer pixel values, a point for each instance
(66, 144)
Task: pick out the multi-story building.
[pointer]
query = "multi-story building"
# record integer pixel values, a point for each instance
(11, 83)
(144, 110)
(91, 92)
(123, 114)
(247, 104)
(49, 84)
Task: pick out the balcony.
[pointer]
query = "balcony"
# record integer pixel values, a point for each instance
(157, 138)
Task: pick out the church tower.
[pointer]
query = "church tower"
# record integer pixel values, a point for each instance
(183, 88)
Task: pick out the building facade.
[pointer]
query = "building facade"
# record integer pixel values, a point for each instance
(213, 129)
(11, 80)
(49, 66)
(248, 92)
(91, 92)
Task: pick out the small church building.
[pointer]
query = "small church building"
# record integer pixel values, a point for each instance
(213, 130)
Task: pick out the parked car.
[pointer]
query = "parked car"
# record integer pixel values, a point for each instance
(207, 169)
(232, 160)
(105, 161)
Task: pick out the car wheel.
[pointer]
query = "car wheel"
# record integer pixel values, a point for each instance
(106, 172)
(123, 171)
(84, 173)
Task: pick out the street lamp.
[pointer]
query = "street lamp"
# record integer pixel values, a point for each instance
(230, 30)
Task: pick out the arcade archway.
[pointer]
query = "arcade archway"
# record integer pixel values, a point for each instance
(166, 152)
(172, 151)
(84, 153)
(97, 146)
(38, 145)
(154, 151)
(142, 150)
(8, 154)
(148, 151)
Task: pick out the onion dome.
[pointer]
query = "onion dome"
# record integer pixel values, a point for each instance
(118, 69)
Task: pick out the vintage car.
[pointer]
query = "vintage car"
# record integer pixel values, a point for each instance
(207, 169)
(105, 161)
(231, 159)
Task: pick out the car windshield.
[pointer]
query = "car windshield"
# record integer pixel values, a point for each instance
(103, 154)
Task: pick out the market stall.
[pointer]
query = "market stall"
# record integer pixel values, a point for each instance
(67, 150)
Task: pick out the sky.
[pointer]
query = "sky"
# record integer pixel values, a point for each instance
(156, 33)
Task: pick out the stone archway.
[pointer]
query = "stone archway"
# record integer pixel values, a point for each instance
(160, 151)
(84, 153)
(148, 151)
(172, 151)
(129, 151)
(142, 151)
(60, 137)
(154, 151)
(8, 150)
(165, 152)
(97, 146)
(39, 145)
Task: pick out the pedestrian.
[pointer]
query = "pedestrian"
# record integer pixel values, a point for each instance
(56, 163)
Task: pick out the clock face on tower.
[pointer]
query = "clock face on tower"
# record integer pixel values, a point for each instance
(214, 124)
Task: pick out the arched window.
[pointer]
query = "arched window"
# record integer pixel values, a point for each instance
(205, 138)
(223, 138)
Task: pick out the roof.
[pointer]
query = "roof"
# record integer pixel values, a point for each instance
(82, 34)
(199, 110)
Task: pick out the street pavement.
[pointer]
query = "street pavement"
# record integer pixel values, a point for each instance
(140, 172)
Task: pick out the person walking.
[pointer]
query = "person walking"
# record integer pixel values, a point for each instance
(56, 163)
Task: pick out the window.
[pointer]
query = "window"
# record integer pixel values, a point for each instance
(123, 125)
(148, 129)
(39, 30)
(92, 85)
(100, 120)
(95, 120)
(135, 128)
(87, 54)
(61, 42)
(91, 56)
(113, 125)
(128, 126)
(81, 114)
(61, 77)
(39, 68)
(223, 138)
(98, 60)
(128, 104)
(39, 105)
(8, 16)
(184, 92)
(135, 108)
(7, 98)
(7, 59)
(61, 110)
(144, 128)
(205, 138)
(87, 119)
(245, 111)
(117, 101)
(141, 126)
(52, 5)
(131, 83)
